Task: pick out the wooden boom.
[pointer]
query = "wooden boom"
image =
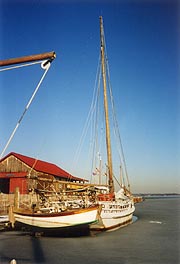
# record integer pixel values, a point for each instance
(44, 56)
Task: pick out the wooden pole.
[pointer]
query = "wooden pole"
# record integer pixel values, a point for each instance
(30, 58)
(11, 216)
(16, 198)
(108, 143)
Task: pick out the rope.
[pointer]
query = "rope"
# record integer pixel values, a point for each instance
(26, 108)
(117, 128)
(94, 135)
(87, 123)
(117, 132)
(20, 66)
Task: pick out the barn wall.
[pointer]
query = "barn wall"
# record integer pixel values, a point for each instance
(13, 165)
(18, 182)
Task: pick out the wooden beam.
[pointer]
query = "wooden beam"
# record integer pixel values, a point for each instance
(30, 58)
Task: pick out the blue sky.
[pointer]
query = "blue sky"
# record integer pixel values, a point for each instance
(143, 53)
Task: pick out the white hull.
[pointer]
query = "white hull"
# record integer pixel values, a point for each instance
(4, 218)
(114, 214)
(49, 221)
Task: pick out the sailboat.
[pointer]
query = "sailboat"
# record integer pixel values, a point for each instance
(50, 216)
(56, 214)
(53, 221)
(117, 207)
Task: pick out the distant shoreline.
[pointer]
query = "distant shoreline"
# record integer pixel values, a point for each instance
(156, 196)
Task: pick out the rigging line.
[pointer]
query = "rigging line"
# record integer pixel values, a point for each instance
(115, 122)
(114, 116)
(95, 123)
(116, 127)
(112, 101)
(122, 181)
(94, 126)
(27, 106)
(116, 180)
(92, 107)
(35, 162)
(20, 66)
(117, 133)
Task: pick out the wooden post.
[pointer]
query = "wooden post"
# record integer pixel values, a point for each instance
(11, 216)
(16, 198)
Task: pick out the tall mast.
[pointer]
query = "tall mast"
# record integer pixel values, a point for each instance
(108, 142)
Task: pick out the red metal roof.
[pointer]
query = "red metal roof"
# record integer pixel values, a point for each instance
(43, 166)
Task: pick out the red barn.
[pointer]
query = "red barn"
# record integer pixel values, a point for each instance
(15, 170)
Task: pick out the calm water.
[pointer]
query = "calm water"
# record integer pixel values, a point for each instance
(154, 239)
